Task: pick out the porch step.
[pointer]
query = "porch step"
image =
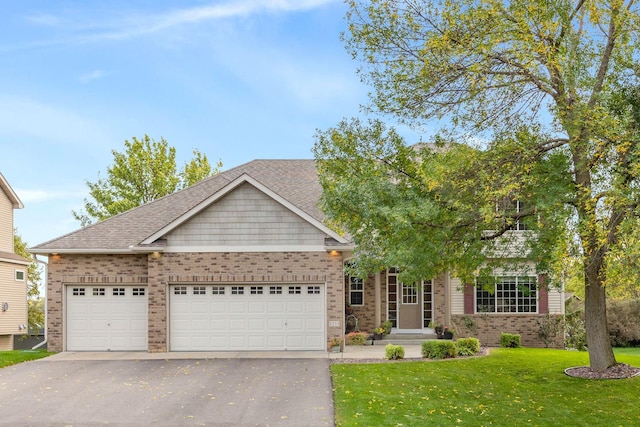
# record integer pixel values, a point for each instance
(405, 339)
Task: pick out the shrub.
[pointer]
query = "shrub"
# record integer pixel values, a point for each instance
(510, 340)
(623, 322)
(550, 327)
(356, 338)
(393, 352)
(387, 327)
(437, 349)
(467, 346)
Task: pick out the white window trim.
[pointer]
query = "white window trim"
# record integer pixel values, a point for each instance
(352, 291)
(24, 275)
(403, 287)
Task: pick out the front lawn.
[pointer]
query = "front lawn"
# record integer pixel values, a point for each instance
(17, 356)
(509, 387)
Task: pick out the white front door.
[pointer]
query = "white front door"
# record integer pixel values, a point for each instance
(246, 317)
(106, 318)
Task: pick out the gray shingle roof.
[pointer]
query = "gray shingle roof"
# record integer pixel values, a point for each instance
(294, 180)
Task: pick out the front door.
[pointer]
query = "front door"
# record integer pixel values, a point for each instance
(410, 307)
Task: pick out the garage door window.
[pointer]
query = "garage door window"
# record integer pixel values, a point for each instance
(217, 290)
(118, 291)
(294, 290)
(98, 292)
(138, 292)
(199, 290)
(256, 290)
(275, 290)
(237, 290)
(180, 290)
(313, 290)
(78, 291)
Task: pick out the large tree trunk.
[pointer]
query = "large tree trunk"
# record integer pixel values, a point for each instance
(595, 318)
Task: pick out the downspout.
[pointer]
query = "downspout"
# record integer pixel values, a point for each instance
(46, 283)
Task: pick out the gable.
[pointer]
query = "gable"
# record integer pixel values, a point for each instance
(245, 219)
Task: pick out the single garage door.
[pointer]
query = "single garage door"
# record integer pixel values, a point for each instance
(247, 317)
(106, 318)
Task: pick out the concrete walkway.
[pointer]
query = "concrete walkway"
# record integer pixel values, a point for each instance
(350, 352)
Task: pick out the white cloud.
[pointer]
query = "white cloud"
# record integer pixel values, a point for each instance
(92, 75)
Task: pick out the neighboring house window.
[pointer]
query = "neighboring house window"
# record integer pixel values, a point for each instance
(507, 294)
(356, 291)
(20, 275)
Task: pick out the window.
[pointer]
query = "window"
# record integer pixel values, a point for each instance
(78, 291)
(510, 209)
(98, 291)
(180, 290)
(118, 291)
(256, 290)
(275, 290)
(313, 290)
(294, 290)
(237, 290)
(199, 290)
(507, 294)
(139, 292)
(356, 291)
(409, 294)
(20, 275)
(217, 290)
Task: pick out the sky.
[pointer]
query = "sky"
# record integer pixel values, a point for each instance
(236, 79)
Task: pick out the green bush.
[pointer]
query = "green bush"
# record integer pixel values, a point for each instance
(623, 322)
(439, 349)
(356, 338)
(510, 340)
(393, 352)
(467, 346)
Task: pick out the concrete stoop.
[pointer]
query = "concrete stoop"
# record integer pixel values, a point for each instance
(405, 339)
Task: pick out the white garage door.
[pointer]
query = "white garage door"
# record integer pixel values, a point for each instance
(106, 318)
(247, 317)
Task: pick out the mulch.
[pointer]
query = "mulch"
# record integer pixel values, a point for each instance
(615, 372)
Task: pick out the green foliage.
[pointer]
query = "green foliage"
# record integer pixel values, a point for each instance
(549, 328)
(467, 346)
(35, 306)
(144, 172)
(356, 338)
(575, 335)
(394, 352)
(509, 387)
(624, 322)
(510, 340)
(386, 325)
(439, 349)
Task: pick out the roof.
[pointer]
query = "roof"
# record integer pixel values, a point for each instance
(12, 258)
(13, 197)
(295, 181)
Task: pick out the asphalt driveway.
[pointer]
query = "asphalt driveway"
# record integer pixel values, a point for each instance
(212, 392)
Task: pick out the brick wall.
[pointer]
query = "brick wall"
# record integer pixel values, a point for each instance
(488, 327)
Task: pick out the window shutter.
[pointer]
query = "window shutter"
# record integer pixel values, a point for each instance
(469, 294)
(543, 294)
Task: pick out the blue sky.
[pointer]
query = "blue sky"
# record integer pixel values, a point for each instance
(236, 79)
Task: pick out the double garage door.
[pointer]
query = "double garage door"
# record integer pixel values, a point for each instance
(201, 317)
(246, 317)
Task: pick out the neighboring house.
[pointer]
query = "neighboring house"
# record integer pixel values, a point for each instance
(239, 261)
(13, 272)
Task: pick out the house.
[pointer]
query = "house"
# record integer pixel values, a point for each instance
(13, 272)
(239, 261)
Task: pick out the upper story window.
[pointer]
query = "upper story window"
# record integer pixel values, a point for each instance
(510, 209)
(507, 294)
(20, 275)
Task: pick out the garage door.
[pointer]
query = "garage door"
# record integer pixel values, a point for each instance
(106, 318)
(247, 317)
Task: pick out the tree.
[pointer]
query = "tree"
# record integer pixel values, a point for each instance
(497, 70)
(144, 172)
(35, 309)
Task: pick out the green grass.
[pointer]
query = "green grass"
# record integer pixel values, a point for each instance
(510, 387)
(17, 356)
